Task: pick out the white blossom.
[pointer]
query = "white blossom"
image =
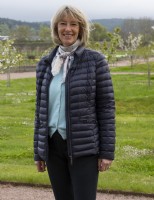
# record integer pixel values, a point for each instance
(8, 61)
(132, 43)
(135, 152)
(8, 55)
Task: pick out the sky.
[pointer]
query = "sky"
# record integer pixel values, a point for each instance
(43, 10)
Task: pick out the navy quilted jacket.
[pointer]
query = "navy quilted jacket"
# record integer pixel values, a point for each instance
(90, 106)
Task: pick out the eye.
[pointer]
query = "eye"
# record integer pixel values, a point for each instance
(62, 23)
(74, 24)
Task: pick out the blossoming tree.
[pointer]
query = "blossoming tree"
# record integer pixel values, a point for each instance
(131, 45)
(109, 47)
(8, 57)
(146, 52)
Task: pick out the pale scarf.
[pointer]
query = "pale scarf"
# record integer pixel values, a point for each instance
(63, 55)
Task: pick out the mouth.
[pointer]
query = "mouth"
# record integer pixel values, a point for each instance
(67, 34)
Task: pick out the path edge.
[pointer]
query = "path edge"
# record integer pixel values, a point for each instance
(125, 193)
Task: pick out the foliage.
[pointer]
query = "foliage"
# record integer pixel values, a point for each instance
(135, 26)
(12, 24)
(8, 54)
(98, 33)
(110, 24)
(131, 44)
(45, 33)
(138, 26)
(8, 57)
(4, 30)
(21, 33)
(109, 47)
(46, 52)
(146, 52)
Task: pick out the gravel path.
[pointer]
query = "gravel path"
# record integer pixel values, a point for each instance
(33, 74)
(10, 192)
(18, 75)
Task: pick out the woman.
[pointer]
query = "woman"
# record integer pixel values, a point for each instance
(75, 110)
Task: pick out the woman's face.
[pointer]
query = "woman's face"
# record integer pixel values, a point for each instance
(68, 30)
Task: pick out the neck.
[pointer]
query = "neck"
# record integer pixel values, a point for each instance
(71, 47)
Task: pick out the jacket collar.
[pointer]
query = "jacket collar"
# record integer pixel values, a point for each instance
(79, 51)
(50, 57)
(52, 54)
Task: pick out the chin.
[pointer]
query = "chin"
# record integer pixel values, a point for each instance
(68, 43)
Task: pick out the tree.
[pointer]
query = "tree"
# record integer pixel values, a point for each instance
(99, 33)
(21, 33)
(129, 25)
(138, 26)
(144, 28)
(146, 52)
(109, 47)
(4, 30)
(8, 57)
(45, 33)
(131, 45)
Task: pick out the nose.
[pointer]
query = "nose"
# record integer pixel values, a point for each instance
(68, 27)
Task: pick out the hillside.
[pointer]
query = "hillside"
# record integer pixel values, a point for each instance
(13, 23)
(108, 23)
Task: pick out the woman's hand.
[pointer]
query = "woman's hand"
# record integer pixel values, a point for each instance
(41, 166)
(104, 164)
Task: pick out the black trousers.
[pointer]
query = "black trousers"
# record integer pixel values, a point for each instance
(71, 182)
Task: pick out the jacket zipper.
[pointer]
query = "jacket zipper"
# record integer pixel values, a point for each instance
(48, 105)
(69, 143)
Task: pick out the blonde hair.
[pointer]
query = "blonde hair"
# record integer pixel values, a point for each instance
(76, 14)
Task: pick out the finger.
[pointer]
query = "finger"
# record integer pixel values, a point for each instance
(43, 166)
(101, 166)
(104, 164)
(40, 166)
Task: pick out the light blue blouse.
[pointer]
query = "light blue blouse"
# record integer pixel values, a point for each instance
(57, 120)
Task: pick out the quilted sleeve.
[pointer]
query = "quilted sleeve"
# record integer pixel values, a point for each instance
(36, 121)
(105, 108)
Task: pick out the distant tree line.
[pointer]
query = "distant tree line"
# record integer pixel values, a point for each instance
(135, 38)
(26, 31)
(143, 26)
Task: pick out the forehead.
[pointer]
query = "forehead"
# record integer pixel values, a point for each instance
(68, 17)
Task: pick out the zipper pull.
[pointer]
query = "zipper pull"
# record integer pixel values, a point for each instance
(71, 160)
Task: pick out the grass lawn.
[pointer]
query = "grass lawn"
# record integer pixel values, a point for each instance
(135, 68)
(133, 168)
